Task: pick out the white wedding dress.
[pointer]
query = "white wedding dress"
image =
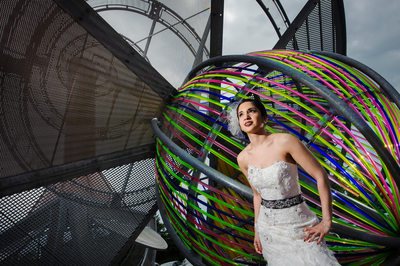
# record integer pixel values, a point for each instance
(281, 230)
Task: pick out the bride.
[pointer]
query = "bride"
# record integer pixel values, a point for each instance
(286, 231)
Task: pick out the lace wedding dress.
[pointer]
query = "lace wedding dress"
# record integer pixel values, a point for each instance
(281, 230)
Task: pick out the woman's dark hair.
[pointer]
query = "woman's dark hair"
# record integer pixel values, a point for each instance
(257, 103)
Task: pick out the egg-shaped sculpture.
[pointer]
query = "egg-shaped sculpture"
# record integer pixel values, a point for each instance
(343, 111)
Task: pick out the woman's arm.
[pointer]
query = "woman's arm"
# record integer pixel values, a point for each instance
(310, 164)
(256, 201)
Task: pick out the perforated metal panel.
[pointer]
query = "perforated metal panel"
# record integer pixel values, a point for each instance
(64, 97)
(319, 26)
(84, 221)
(167, 33)
(70, 110)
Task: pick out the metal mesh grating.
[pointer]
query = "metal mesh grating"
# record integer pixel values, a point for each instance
(64, 97)
(70, 108)
(84, 221)
(320, 26)
(178, 31)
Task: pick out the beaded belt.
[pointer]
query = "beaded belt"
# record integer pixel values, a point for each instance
(283, 203)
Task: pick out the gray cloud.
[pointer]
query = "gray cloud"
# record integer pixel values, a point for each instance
(373, 36)
(372, 33)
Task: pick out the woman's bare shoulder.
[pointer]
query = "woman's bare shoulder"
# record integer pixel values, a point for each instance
(242, 158)
(285, 138)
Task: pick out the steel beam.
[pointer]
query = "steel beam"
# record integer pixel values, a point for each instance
(91, 21)
(37, 178)
(217, 23)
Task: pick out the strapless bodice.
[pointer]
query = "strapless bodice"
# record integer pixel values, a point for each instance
(277, 181)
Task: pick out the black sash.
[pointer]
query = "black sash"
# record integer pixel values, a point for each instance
(283, 203)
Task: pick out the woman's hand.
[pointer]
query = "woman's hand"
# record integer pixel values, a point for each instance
(319, 230)
(257, 243)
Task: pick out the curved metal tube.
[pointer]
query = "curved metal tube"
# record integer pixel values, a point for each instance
(339, 105)
(388, 241)
(391, 92)
(210, 172)
(167, 24)
(393, 242)
(190, 255)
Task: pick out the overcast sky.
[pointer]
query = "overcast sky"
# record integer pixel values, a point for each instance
(373, 32)
(373, 35)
